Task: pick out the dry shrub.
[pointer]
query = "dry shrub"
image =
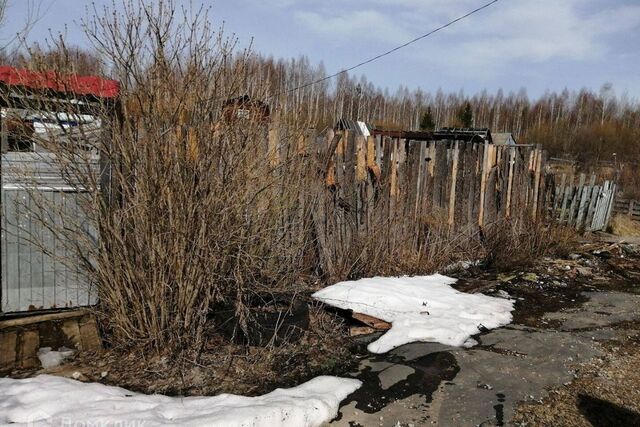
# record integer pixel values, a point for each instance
(178, 208)
(404, 245)
(516, 243)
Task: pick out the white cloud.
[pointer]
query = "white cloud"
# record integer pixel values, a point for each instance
(357, 25)
(509, 31)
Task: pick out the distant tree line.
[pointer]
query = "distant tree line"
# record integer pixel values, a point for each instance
(583, 125)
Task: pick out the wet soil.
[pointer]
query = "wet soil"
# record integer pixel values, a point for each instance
(428, 372)
(559, 284)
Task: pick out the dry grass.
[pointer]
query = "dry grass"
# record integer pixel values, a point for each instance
(513, 244)
(622, 225)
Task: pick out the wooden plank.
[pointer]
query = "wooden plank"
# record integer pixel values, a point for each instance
(483, 183)
(356, 331)
(361, 158)
(420, 179)
(454, 177)
(586, 192)
(608, 215)
(371, 321)
(575, 200)
(512, 161)
(536, 188)
(593, 202)
(565, 200)
(558, 196)
(599, 210)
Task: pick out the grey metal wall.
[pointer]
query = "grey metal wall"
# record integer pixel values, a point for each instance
(39, 270)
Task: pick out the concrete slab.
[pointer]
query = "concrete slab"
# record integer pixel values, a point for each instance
(430, 384)
(603, 309)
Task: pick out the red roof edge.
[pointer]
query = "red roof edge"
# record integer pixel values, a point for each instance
(69, 83)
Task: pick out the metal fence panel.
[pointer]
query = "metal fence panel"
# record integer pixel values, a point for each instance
(39, 270)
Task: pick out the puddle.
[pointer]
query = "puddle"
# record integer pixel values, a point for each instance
(499, 408)
(428, 372)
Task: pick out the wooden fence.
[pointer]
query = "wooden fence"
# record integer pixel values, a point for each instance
(627, 207)
(467, 182)
(399, 189)
(584, 205)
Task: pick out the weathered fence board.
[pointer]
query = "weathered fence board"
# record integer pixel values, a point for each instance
(584, 206)
(628, 207)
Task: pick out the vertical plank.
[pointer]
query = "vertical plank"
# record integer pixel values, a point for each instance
(512, 161)
(558, 195)
(483, 183)
(575, 201)
(454, 177)
(565, 200)
(593, 203)
(612, 197)
(538, 173)
(361, 162)
(582, 209)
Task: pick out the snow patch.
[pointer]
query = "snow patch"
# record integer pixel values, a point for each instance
(50, 358)
(51, 400)
(460, 266)
(424, 308)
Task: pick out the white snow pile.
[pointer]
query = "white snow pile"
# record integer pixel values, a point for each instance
(424, 308)
(50, 358)
(57, 401)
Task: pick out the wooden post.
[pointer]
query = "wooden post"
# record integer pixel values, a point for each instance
(483, 182)
(512, 161)
(361, 165)
(394, 168)
(432, 156)
(454, 176)
(538, 173)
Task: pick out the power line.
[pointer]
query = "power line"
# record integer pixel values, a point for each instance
(381, 55)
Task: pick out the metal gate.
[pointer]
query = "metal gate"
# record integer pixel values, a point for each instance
(39, 270)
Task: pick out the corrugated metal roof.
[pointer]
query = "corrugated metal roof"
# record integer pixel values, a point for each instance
(78, 85)
(359, 127)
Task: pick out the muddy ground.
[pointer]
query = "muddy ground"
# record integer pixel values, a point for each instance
(569, 358)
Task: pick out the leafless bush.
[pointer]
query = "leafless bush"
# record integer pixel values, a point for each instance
(177, 207)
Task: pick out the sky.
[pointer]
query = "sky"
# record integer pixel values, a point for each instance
(539, 45)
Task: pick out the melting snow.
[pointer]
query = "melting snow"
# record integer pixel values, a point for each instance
(49, 400)
(424, 308)
(50, 358)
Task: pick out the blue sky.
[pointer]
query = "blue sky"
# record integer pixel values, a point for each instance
(536, 44)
